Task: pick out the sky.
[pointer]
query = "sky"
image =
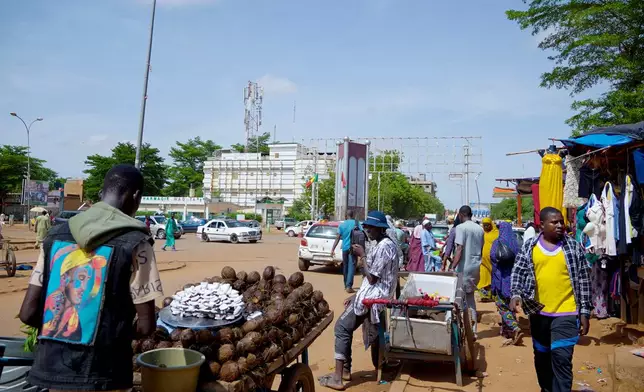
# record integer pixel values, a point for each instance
(358, 68)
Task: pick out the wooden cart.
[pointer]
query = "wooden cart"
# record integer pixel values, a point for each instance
(7, 258)
(457, 336)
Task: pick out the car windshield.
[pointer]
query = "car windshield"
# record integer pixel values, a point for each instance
(160, 219)
(68, 214)
(439, 232)
(232, 223)
(322, 231)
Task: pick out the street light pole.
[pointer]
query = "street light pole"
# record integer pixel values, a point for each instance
(137, 160)
(28, 129)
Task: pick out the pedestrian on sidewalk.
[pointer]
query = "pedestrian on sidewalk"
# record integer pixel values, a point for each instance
(43, 224)
(428, 242)
(380, 277)
(345, 230)
(467, 259)
(551, 283)
(170, 228)
(94, 274)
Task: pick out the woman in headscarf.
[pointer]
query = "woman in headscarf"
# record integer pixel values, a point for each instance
(170, 227)
(391, 233)
(416, 259)
(501, 277)
(491, 234)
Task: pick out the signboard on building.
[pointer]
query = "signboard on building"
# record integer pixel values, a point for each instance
(480, 210)
(35, 193)
(351, 179)
(172, 200)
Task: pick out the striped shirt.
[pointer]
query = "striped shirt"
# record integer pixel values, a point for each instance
(382, 262)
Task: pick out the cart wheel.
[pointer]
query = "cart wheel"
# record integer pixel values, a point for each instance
(11, 263)
(469, 345)
(297, 378)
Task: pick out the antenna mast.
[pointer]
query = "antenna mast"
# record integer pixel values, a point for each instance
(253, 99)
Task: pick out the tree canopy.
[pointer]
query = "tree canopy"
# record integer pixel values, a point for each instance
(13, 169)
(401, 199)
(187, 168)
(507, 209)
(385, 161)
(594, 42)
(152, 168)
(255, 144)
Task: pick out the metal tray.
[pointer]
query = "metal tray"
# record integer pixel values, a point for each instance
(166, 316)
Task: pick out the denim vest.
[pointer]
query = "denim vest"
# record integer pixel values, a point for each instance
(88, 345)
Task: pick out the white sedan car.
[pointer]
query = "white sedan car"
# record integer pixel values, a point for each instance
(227, 230)
(315, 246)
(301, 227)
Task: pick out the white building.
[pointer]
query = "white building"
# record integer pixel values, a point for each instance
(245, 178)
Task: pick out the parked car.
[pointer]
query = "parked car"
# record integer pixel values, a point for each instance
(190, 226)
(157, 226)
(64, 216)
(286, 222)
(253, 224)
(301, 227)
(440, 233)
(227, 230)
(315, 246)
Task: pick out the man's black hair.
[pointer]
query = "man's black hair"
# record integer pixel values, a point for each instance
(122, 179)
(350, 214)
(44, 212)
(543, 214)
(466, 211)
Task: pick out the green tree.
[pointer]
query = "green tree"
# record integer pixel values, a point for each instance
(301, 208)
(13, 169)
(507, 209)
(188, 164)
(401, 199)
(385, 161)
(152, 166)
(255, 144)
(593, 42)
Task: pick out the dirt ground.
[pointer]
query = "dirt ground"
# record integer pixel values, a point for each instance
(500, 368)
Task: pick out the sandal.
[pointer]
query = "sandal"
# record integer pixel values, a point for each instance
(328, 381)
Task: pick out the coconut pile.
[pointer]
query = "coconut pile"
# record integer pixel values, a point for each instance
(289, 308)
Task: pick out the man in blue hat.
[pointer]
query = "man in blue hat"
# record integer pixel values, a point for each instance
(380, 276)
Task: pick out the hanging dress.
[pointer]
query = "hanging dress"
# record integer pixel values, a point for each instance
(609, 202)
(551, 183)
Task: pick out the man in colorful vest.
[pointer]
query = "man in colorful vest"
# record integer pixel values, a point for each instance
(94, 274)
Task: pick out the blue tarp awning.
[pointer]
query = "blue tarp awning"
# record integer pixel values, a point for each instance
(599, 140)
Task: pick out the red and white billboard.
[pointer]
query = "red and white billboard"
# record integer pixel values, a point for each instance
(351, 179)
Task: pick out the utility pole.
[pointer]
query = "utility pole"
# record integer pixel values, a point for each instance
(314, 186)
(466, 173)
(137, 160)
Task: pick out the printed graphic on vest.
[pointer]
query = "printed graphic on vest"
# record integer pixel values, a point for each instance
(74, 293)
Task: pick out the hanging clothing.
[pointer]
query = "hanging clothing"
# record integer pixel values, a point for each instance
(599, 279)
(638, 161)
(609, 202)
(571, 197)
(591, 182)
(624, 224)
(596, 228)
(536, 203)
(551, 183)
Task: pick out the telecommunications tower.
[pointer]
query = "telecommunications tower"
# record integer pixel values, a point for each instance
(253, 98)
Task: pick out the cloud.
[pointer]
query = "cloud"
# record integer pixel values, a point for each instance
(277, 85)
(96, 140)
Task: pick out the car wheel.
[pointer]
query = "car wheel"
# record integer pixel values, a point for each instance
(177, 236)
(234, 239)
(291, 233)
(204, 237)
(253, 241)
(161, 234)
(303, 264)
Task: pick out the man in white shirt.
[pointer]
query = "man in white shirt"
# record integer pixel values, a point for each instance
(380, 278)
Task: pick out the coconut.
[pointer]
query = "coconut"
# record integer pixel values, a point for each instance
(323, 308)
(296, 335)
(287, 342)
(161, 334)
(207, 352)
(252, 307)
(239, 285)
(279, 278)
(278, 288)
(308, 289)
(148, 344)
(164, 344)
(204, 337)
(241, 275)
(228, 273)
(136, 346)
(253, 277)
(269, 273)
(175, 336)
(318, 296)
(252, 361)
(216, 279)
(177, 345)
(167, 301)
(277, 298)
(237, 333)
(188, 338)
(270, 353)
(257, 297)
(292, 319)
(245, 346)
(229, 371)
(264, 285)
(273, 334)
(226, 353)
(225, 335)
(250, 326)
(274, 316)
(215, 368)
(296, 280)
